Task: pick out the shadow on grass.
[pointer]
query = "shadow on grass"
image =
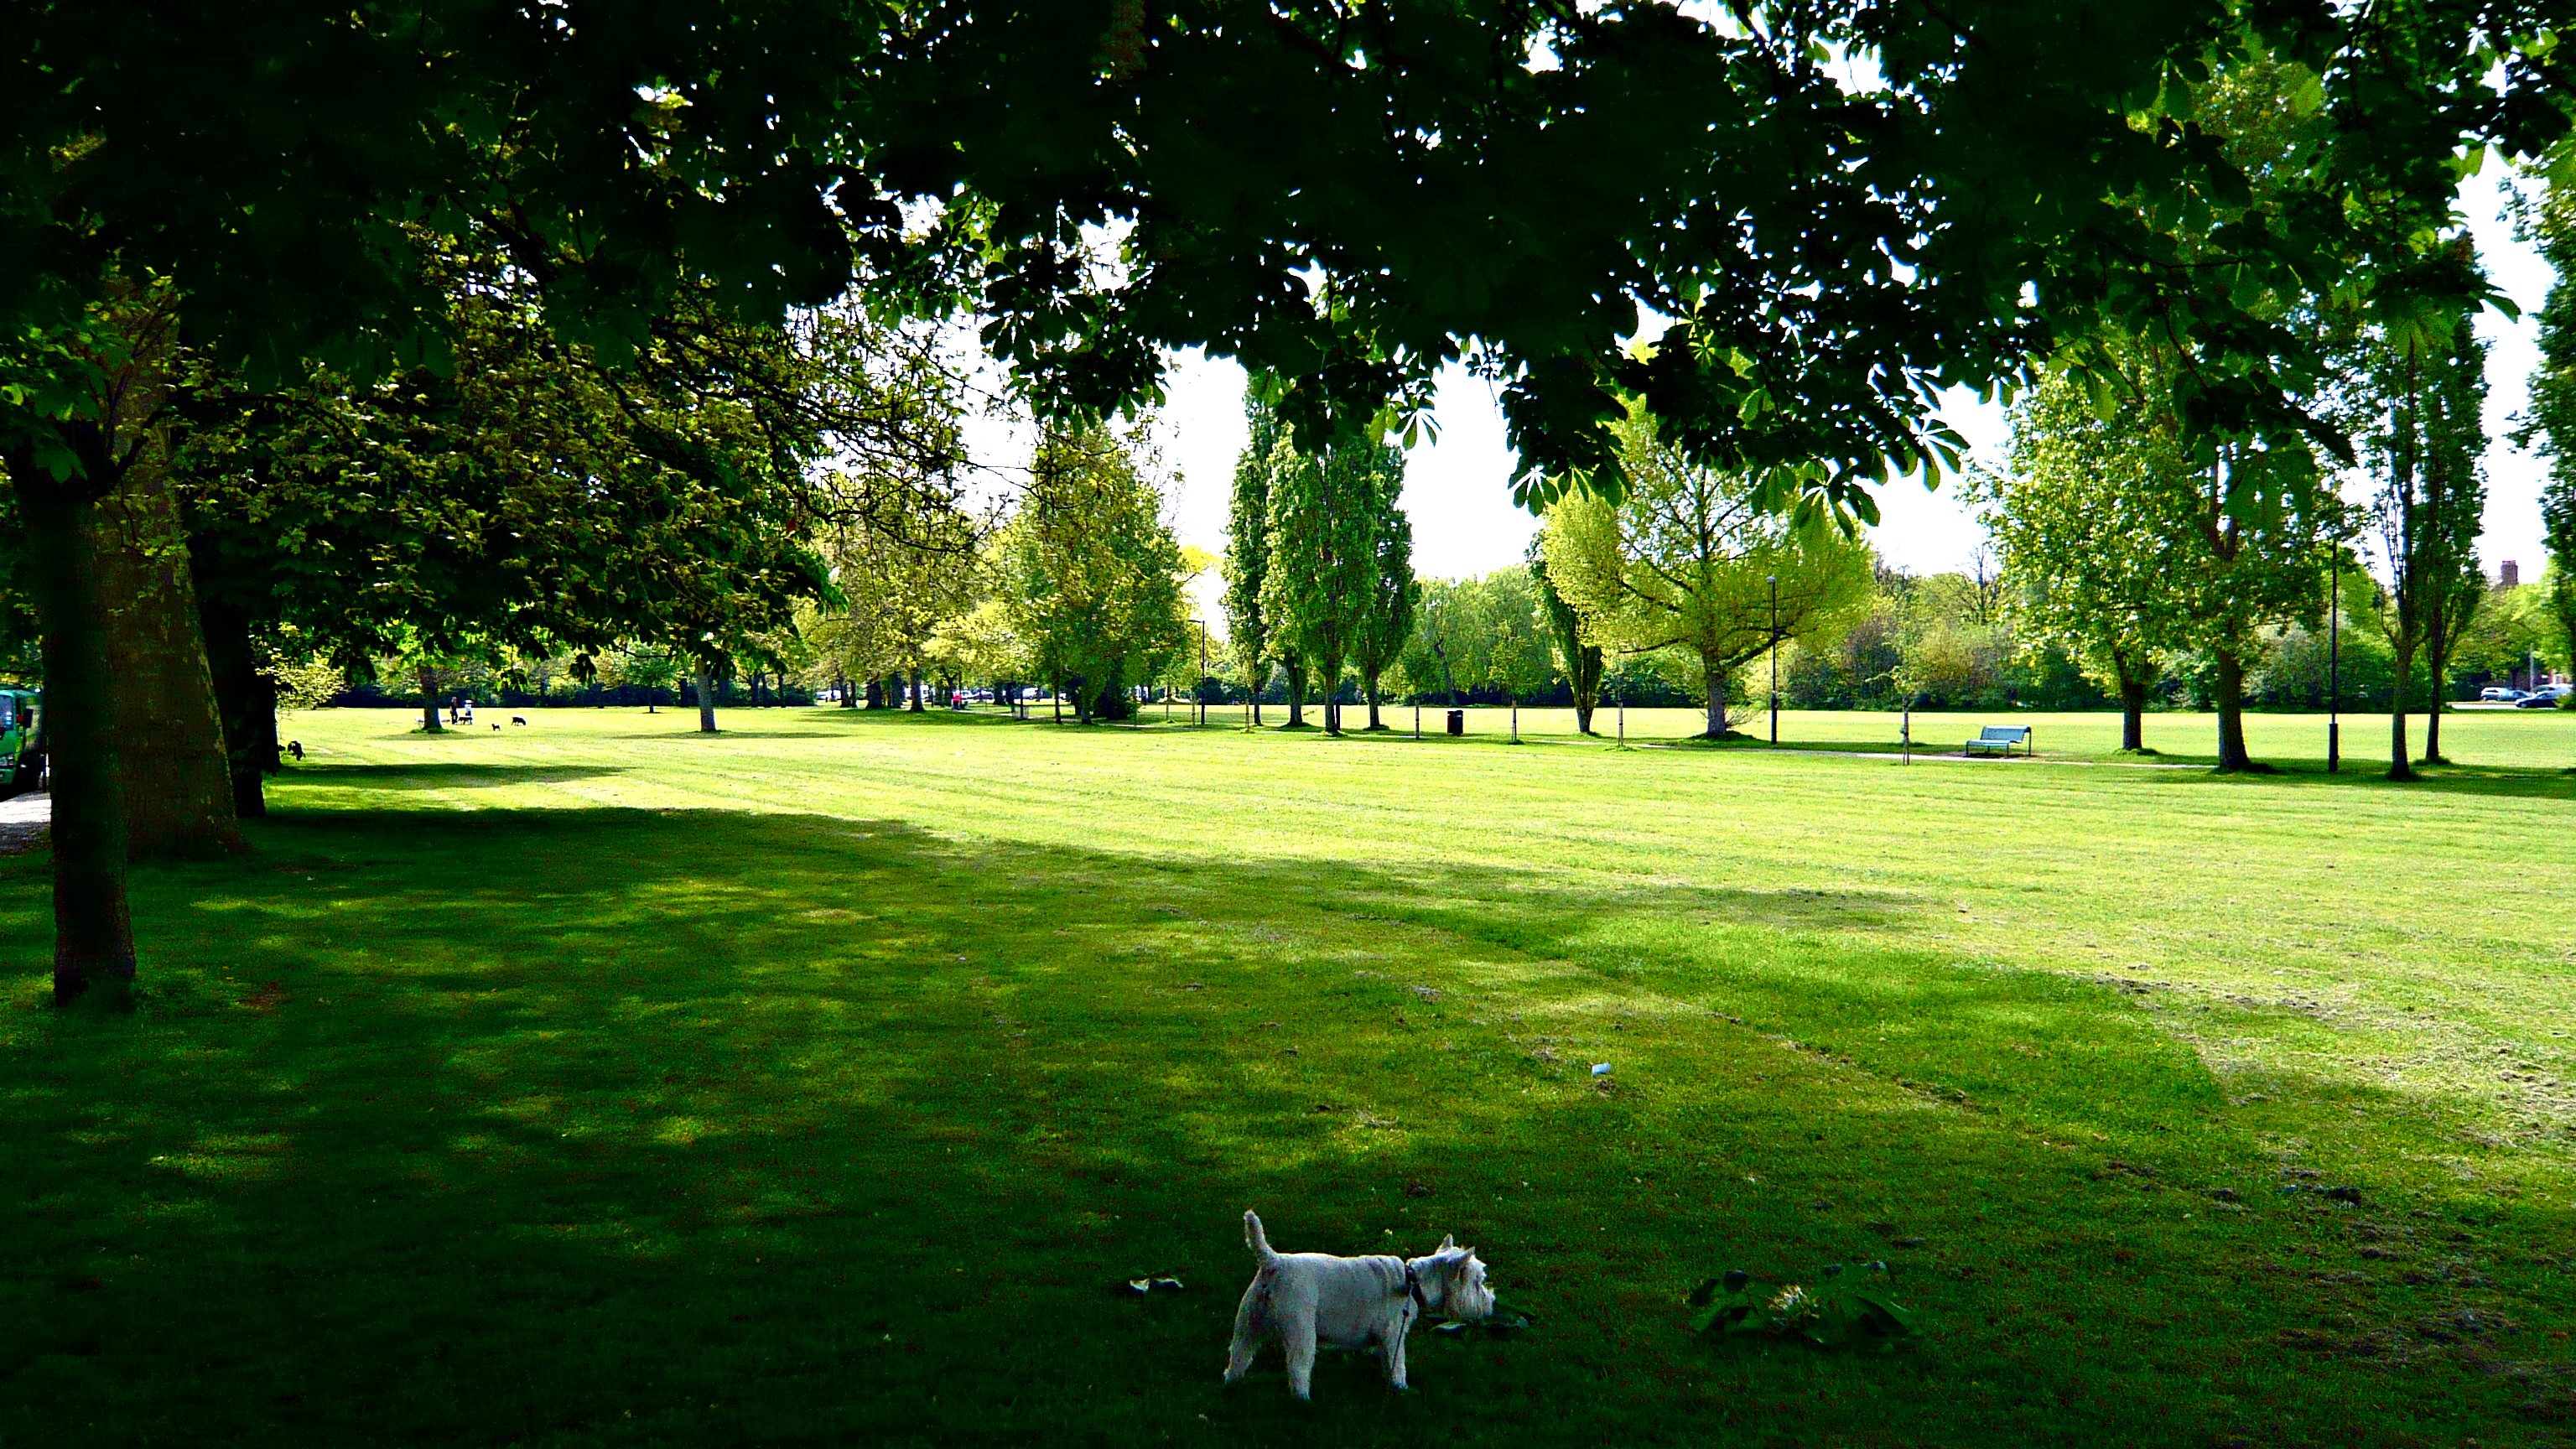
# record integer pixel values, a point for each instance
(2502, 782)
(442, 774)
(629, 1126)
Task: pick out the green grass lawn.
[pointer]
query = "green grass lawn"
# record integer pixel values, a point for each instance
(597, 1082)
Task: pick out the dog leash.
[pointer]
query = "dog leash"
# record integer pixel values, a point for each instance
(1413, 1290)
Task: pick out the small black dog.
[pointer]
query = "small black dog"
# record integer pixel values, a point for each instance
(515, 719)
(496, 729)
(295, 748)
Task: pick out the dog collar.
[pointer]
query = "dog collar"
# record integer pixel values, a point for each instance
(1413, 1290)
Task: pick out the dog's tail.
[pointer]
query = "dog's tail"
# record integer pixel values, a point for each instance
(1254, 1238)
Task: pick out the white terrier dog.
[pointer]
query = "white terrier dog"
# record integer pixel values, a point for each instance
(1302, 1299)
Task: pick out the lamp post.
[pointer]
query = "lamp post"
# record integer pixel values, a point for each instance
(2334, 669)
(1774, 581)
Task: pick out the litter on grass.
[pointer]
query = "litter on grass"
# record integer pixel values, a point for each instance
(1501, 1323)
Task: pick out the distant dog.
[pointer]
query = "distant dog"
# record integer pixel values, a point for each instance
(1302, 1299)
(496, 729)
(515, 719)
(294, 747)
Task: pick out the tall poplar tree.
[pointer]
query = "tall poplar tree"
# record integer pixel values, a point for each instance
(1247, 550)
(1388, 620)
(2551, 421)
(2426, 386)
(1323, 557)
(2455, 440)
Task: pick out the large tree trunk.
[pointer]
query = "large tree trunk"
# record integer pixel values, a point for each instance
(915, 696)
(2231, 711)
(177, 777)
(706, 683)
(1296, 694)
(2399, 766)
(246, 700)
(93, 929)
(1332, 672)
(1374, 724)
(2133, 713)
(428, 679)
(1716, 681)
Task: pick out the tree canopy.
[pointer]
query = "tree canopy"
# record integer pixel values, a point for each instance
(1324, 513)
(1089, 574)
(1689, 560)
(2551, 422)
(2083, 520)
(1843, 207)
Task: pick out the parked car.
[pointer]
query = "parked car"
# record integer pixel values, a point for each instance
(2545, 697)
(2500, 694)
(22, 740)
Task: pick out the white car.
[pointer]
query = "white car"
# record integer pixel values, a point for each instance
(2499, 694)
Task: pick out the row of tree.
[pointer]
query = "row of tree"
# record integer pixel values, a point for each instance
(2548, 219)
(1318, 563)
(655, 191)
(2132, 552)
(1074, 582)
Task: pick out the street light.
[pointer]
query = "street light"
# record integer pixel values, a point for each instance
(1776, 653)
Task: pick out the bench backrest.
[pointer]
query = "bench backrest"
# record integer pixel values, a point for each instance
(2014, 733)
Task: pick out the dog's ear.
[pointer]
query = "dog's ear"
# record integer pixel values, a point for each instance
(1447, 1243)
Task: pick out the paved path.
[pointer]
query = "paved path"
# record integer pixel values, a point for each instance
(24, 819)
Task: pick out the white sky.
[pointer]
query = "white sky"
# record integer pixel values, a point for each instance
(1458, 488)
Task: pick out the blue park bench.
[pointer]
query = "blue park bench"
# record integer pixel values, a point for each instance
(2000, 739)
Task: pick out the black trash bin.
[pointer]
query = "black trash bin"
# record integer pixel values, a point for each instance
(1457, 721)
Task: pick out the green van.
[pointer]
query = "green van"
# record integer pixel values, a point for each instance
(22, 740)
